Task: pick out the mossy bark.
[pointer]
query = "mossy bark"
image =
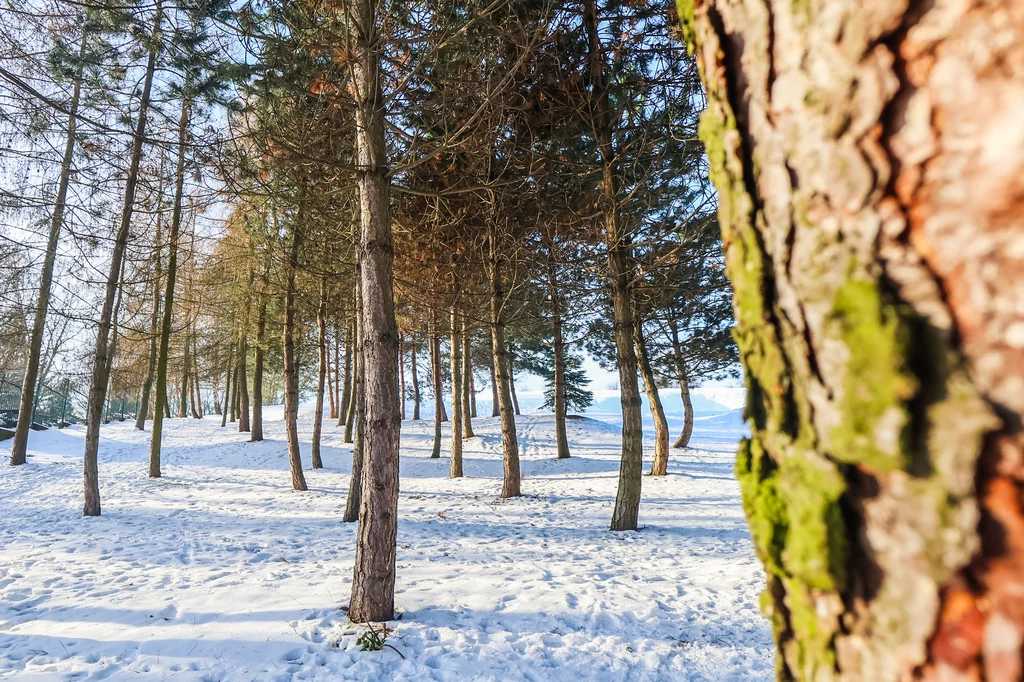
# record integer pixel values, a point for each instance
(871, 210)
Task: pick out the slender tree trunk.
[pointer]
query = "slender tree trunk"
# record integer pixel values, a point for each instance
(186, 370)
(243, 382)
(457, 386)
(318, 413)
(415, 381)
(193, 393)
(510, 486)
(154, 321)
(512, 385)
(467, 354)
(357, 376)
(560, 406)
(659, 467)
(871, 207)
(401, 373)
(373, 583)
(346, 395)
(495, 407)
(617, 241)
(435, 372)
(160, 409)
(228, 373)
(98, 384)
(331, 376)
(26, 407)
(684, 389)
(291, 370)
(467, 370)
(256, 434)
(358, 419)
(198, 413)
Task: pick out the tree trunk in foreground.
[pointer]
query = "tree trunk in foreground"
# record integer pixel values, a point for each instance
(435, 373)
(455, 470)
(373, 582)
(291, 370)
(26, 407)
(100, 375)
(684, 389)
(659, 467)
(510, 486)
(869, 163)
(318, 413)
(627, 498)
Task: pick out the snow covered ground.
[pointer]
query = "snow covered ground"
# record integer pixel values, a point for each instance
(219, 572)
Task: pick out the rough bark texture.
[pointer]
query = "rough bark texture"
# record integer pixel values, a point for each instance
(869, 163)
(26, 408)
(659, 466)
(291, 370)
(100, 367)
(456, 353)
(618, 244)
(510, 486)
(373, 583)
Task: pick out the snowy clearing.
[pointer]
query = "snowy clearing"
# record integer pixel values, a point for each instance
(219, 572)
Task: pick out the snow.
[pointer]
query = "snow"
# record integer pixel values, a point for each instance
(219, 572)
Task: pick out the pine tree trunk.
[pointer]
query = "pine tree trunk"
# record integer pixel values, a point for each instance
(161, 406)
(871, 207)
(243, 383)
(467, 386)
(100, 376)
(684, 389)
(373, 582)
(344, 419)
(332, 376)
(291, 370)
(227, 386)
(256, 435)
(659, 467)
(435, 373)
(510, 486)
(512, 386)
(455, 470)
(357, 420)
(620, 272)
(154, 319)
(26, 407)
(186, 370)
(468, 355)
(401, 374)
(318, 413)
(560, 406)
(415, 381)
(495, 407)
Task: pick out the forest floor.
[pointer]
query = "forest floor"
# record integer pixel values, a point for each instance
(220, 572)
